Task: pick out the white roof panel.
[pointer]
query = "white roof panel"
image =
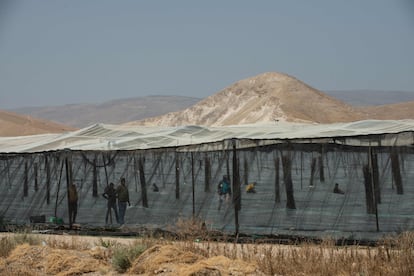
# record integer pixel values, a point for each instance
(120, 137)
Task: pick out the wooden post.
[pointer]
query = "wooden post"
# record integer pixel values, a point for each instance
(58, 190)
(236, 187)
(193, 182)
(95, 179)
(374, 185)
(368, 189)
(26, 180)
(313, 169)
(375, 175)
(396, 173)
(277, 177)
(68, 182)
(36, 179)
(321, 170)
(143, 182)
(47, 180)
(177, 175)
(246, 172)
(207, 173)
(287, 176)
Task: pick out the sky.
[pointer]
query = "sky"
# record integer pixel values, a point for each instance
(55, 52)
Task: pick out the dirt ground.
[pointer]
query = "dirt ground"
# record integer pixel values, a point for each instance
(75, 255)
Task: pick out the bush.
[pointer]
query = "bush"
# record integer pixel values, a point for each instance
(123, 257)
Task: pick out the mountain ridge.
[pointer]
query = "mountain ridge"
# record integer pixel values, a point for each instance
(266, 97)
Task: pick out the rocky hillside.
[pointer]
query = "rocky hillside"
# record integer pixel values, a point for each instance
(12, 124)
(264, 98)
(111, 112)
(397, 111)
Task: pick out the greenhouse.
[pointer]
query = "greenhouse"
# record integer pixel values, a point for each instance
(293, 168)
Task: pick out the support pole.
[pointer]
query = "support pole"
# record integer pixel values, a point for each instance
(26, 180)
(374, 186)
(277, 180)
(68, 164)
(396, 173)
(192, 183)
(207, 173)
(143, 182)
(236, 187)
(313, 169)
(47, 180)
(95, 179)
(36, 179)
(177, 175)
(287, 176)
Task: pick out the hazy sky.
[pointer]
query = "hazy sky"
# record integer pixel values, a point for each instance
(58, 52)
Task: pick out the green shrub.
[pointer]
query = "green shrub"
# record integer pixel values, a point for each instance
(123, 257)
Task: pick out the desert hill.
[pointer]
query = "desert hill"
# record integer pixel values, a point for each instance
(397, 111)
(110, 112)
(371, 97)
(13, 124)
(267, 97)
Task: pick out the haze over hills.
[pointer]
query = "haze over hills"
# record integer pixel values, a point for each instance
(12, 124)
(371, 97)
(267, 97)
(111, 112)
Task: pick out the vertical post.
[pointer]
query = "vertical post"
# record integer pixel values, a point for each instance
(143, 182)
(58, 189)
(177, 175)
(277, 180)
(47, 179)
(207, 173)
(368, 189)
(396, 173)
(95, 179)
(192, 182)
(287, 176)
(68, 166)
(246, 172)
(313, 169)
(321, 170)
(36, 180)
(106, 171)
(236, 187)
(373, 186)
(26, 180)
(375, 175)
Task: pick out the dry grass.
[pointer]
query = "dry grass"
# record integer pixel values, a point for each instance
(195, 253)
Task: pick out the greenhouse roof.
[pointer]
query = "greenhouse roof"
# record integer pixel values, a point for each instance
(104, 137)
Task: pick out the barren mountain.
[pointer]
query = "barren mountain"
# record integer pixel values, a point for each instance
(111, 112)
(12, 124)
(371, 97)
(396, 111)
(263, 98)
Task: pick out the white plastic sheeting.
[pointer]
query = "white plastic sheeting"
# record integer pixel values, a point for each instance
(104, 137)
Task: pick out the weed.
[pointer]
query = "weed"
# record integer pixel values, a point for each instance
(123, 256)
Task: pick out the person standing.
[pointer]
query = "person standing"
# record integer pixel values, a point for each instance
(73, 203)
(110, 195)
(123, 199)
(223, 190)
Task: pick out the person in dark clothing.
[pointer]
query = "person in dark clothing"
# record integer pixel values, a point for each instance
(155, 188)
(73, 203)
(123, 199)
(337, 190)
(224, 190)
(110, 195)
